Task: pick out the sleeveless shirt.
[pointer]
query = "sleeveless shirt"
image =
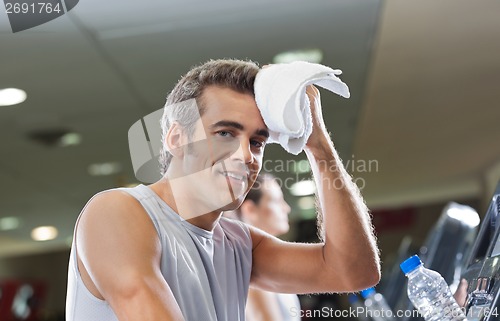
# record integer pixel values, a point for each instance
(207, 271)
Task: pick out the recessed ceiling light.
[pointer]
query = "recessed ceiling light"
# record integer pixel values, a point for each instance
(309, 55)
(306, 202)
(70, 139)
(464, 214)
(303, 188)
(9, 223)
(44, 233)
(11, 96)
(104, 169)
(57, 136)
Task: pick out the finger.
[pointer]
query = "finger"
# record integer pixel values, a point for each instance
(312, 91)
(312, 88)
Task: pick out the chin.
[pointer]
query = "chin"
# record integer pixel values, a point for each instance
(233, 205)
(238, 192)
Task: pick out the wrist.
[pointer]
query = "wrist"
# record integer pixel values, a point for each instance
(321, 148)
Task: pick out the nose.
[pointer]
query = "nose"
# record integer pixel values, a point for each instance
(286, 207)
(243, 153)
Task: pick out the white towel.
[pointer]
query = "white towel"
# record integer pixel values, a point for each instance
(280, 93)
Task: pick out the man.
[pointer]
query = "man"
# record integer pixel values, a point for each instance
(163, 252)
(265, 208)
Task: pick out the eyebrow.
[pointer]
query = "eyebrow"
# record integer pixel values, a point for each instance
(228, 123)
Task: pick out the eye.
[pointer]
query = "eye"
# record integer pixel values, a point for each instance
(257, 143)
(224, 133)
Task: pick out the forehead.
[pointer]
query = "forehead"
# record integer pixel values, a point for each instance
(224, 103)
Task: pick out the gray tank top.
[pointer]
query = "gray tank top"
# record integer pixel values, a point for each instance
(207, 271)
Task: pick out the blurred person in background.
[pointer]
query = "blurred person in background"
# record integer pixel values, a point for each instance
(265, 208)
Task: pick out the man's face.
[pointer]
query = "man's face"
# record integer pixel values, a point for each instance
(224, 155)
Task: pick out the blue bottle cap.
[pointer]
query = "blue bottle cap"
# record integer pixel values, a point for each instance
(366, 293)
(410, 264)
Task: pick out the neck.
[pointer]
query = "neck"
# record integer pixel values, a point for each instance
(186, 208)
(206, 221)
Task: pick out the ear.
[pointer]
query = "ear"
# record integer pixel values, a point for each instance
(175, 140)
(249, 211)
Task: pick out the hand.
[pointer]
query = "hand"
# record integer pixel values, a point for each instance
(319, 133)
(461, 293)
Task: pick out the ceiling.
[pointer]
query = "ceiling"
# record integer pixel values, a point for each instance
(424, 79)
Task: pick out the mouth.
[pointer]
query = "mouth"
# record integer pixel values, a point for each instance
(238, 176)
(237, 182)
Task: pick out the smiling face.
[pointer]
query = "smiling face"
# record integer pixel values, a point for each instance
(221, 160)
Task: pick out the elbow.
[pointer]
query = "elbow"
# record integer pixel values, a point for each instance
(353, 283)
(354, 273)
(361, 279)
(367, 275)
(369, 278)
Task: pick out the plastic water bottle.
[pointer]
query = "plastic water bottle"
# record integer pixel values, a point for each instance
(376, 306)
(429, 293)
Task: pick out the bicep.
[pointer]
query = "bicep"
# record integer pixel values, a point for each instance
(288, 267)
(119, 247)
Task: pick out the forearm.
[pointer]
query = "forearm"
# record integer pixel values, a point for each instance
(349, 244)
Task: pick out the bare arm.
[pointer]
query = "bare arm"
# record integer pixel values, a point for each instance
(262, 306)
(119, 254)
(348, 259)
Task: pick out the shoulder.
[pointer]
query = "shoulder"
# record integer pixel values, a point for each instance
(109, 205)
(232, 225)
(259, 237)
(251, 235)
(117, 247)
(235, 230)
(114, 214)
(115, 197)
